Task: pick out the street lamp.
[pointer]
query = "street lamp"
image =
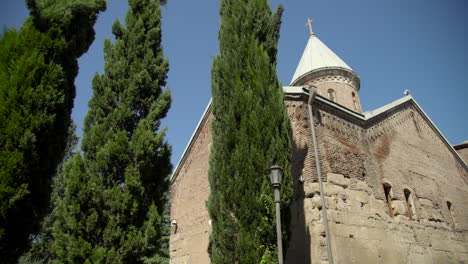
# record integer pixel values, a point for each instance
(276, 175)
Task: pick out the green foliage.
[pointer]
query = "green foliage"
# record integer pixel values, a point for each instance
(250, 133)
(162, 257)
(112, 207)
(26, 259)
(269, 257)
(41, 248)
(38, 66)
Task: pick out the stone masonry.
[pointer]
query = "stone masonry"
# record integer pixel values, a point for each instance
(395, 190)
(399, 148)
(190, 191)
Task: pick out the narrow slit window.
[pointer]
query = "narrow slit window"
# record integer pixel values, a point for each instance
(331, 94)
(388, 198)
(354, 101)
(409, 204)
(449, 206)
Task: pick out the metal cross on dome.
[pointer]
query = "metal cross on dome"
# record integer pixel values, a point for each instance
(309, 23)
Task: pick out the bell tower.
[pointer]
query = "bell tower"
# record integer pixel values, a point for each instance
(334, 79)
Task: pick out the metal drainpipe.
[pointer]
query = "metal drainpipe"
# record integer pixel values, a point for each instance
(312, 93)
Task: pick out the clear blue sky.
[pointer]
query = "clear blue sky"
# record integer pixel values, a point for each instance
(420, 45)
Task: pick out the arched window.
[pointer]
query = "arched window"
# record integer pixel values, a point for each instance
(388, 197)
(449, 206)
(409, 204)
(331, 94)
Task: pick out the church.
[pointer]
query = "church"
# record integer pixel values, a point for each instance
(382, 186)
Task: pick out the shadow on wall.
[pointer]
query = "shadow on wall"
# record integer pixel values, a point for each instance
(299, 243)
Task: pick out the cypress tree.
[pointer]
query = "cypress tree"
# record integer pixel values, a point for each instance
(250, 133)
(38, 66)
(40, 251)
(114, 198)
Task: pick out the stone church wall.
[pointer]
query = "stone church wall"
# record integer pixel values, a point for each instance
(357, 158)
(399, 149)
(190, 191)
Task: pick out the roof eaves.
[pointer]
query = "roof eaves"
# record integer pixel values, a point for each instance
(461, 145)
(372, 113)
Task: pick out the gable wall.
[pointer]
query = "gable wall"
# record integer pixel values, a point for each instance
(411, 155)
(355, 160)
(406, 152)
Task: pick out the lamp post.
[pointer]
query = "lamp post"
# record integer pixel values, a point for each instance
(276, 175)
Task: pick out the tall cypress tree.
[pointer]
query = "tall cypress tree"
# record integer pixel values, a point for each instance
(41, 247)
(113, 204)
(38, 66)
(250, 133)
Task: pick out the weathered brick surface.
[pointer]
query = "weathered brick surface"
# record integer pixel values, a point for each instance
(399, 148)
(346, 93)
(344, 83)
(190, 191)
(357, 157)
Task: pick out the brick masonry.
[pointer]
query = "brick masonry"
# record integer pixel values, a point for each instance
(190, 191)
(344, 83)
(399, 147)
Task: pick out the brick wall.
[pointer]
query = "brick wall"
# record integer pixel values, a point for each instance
(190, 191)
(344, 88)
(399, 148)
(344, 83)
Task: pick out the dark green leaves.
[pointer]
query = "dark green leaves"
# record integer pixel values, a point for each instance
(112, 209)
(250, 134)
(38, 66)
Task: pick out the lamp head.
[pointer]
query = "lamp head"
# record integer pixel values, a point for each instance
(276, 175)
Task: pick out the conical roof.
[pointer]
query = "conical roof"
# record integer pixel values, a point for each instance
(316, 56)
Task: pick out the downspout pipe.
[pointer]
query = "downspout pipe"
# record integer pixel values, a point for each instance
(312, 94)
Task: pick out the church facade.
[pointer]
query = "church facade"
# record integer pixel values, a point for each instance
(393, 188)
